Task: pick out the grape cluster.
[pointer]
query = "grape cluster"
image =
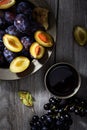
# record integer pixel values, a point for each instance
(57, 115)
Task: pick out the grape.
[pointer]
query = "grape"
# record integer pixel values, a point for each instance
(47, 106)
(44, 128)
(72, 108)
(67, 117)
(31, 123)
(35, 118)
(56, 110)
(33, 128)
(62, 118)
(43, 117)
(58, 113)
(49, 119)
(76, 111)
(53, 101)
(59, 123)
(61, 110)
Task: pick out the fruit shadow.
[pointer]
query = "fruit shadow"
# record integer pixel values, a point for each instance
(45, 57)
(51, 21)
(28, 71)
(31, 68)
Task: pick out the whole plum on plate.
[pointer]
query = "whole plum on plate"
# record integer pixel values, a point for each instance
(1, 41)
(1, 34)
(9, 16)
(13, 31)
(2, 23)
(17, 36)
(26, 41)
(2, 60)
(25, 7)
(36, 26)
(9, 55)
(21, 23)
(1, 46)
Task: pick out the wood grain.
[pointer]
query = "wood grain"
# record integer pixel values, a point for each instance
(13, 114)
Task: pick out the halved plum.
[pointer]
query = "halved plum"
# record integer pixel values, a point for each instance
(36, 50)
(19, 64)
(80, 35)
(5, 4)
(12, 43)
(44, 39)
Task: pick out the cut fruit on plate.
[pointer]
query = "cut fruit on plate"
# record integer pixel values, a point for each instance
(44, 39)
(19, 64)
(12, 43)
(37, 51)
(5, 4)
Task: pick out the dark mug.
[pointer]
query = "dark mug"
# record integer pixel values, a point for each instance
(62, 80)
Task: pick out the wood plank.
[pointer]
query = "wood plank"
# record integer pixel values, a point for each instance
(13, 114)
(72, 13)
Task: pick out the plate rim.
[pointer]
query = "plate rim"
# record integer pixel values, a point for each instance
(6, 74)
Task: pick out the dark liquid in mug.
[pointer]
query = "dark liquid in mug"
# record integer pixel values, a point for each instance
(62, 80)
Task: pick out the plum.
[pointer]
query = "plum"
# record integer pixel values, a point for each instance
(9, 55)
(2, 23)
(21, 23)
(12, 43)
(19, 64)
(37, 51)
(44, 39)
(10, 16)
(13, 31)
(26, 41)
(25, 7)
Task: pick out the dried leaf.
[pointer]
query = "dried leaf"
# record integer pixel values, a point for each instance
(26, 98)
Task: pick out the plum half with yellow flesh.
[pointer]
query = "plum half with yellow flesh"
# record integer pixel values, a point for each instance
(5, 4)
(12, 43)
(80, 35)
(19, 64)
(36, 50)
(44, 39)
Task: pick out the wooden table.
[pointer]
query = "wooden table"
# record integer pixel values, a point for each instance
(13, 114)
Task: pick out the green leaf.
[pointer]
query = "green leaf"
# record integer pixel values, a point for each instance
(26, 98)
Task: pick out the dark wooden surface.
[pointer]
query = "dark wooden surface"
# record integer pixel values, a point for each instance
(13, 114)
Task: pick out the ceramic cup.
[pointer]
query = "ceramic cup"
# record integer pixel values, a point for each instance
(62, 80)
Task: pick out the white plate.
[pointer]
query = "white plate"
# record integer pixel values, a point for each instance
(5, 74)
